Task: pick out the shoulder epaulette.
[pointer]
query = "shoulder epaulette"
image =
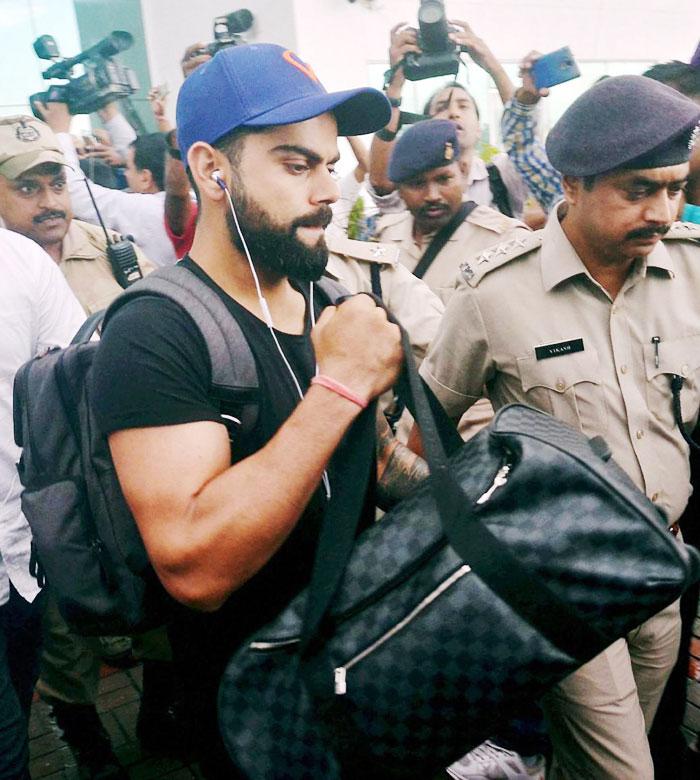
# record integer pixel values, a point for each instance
(490, 219)
(687, 230)
(474, 270)
(370, 251)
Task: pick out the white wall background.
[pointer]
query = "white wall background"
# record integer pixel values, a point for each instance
(341, 39)
(346, 43)
(344, 36)
(171, 26)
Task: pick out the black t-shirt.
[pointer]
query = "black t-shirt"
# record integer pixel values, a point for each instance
(152, 369)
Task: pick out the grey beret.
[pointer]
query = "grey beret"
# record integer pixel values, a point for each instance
(623, 122)
(424, 146)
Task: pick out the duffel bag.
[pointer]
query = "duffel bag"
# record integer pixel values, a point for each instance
(524, 555)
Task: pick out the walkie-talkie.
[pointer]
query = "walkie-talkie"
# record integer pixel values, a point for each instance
(121, 254)
(125, 264)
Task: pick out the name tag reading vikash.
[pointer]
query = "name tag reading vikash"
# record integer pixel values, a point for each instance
(561, 348)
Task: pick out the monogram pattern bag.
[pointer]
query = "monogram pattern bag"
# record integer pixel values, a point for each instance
(525, 554)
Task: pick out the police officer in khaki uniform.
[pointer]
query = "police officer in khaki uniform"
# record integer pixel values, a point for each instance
(368, 266)
(588, 320)
(425, 166)
(34, 201)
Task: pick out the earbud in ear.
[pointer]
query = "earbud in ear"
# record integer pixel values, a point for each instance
(218, 177)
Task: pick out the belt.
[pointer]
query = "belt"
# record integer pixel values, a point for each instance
(674, 529)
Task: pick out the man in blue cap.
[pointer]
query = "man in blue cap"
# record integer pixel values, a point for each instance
(590, 321)
(258, 132)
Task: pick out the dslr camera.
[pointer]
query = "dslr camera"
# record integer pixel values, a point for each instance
(103, 81)
(228, 31)
(439, 55)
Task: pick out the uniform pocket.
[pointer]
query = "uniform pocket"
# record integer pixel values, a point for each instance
(569, 387)
(675, 356)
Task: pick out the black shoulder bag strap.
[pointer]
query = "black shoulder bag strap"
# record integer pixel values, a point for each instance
(499, 191)
(442, 237)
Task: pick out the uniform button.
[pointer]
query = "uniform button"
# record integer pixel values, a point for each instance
(640, 434)
(684, 370)
(561, 385)
(655, 497)
(623, 369)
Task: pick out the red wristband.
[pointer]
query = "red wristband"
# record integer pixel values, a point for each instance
(339, 388)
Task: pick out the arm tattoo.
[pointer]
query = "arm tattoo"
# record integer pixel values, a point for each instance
(399, 469)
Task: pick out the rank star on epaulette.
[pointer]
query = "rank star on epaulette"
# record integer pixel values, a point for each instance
(486, 257)
(378, 252)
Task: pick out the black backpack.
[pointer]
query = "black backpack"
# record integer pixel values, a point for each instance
(85, 541)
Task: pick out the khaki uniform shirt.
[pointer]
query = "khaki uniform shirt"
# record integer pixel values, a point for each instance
(482, 228)
(87, 270)
(601, 374)
(417, 308)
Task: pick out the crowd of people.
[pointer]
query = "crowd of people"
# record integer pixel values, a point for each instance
(560, 275)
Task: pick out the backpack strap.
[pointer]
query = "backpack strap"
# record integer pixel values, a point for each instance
(499, 191)
(334, 291)
(232, 363)
(91, 324)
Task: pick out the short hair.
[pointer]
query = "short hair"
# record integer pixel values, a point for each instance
(231, 145)
(450, 85)
(149, 154)
(679, 75)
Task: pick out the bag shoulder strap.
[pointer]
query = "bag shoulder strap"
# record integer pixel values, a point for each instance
(499, 191)
(333, 290)
(442, 237)
(232, 362)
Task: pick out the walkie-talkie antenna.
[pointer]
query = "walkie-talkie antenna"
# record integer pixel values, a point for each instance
(97, 211)
(120, 252)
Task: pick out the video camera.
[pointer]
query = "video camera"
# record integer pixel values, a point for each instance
(228, 31)
(439, 55)
(104, 80)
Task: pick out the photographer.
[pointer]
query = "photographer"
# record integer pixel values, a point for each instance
(138, 213)
(498, 185)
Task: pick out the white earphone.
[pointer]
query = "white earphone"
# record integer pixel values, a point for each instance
(218, 177)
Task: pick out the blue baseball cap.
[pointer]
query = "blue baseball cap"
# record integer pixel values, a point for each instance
(260, 85)
(426, 145)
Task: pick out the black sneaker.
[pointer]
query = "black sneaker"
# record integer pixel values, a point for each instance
(85, 735)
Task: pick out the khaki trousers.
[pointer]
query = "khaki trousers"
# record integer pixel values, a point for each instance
(70, 663)
(599, 716)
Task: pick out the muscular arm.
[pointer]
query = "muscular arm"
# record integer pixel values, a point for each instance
(209, 526)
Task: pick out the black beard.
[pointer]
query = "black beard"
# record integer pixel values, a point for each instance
(275, 249)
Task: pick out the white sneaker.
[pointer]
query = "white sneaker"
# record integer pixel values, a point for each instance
(490, 761)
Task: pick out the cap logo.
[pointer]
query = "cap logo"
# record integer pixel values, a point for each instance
(449, 150)
(26, 133)
(307, 70)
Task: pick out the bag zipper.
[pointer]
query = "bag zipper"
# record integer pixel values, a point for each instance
(498, 481)
(272, 645)
(340, 673)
